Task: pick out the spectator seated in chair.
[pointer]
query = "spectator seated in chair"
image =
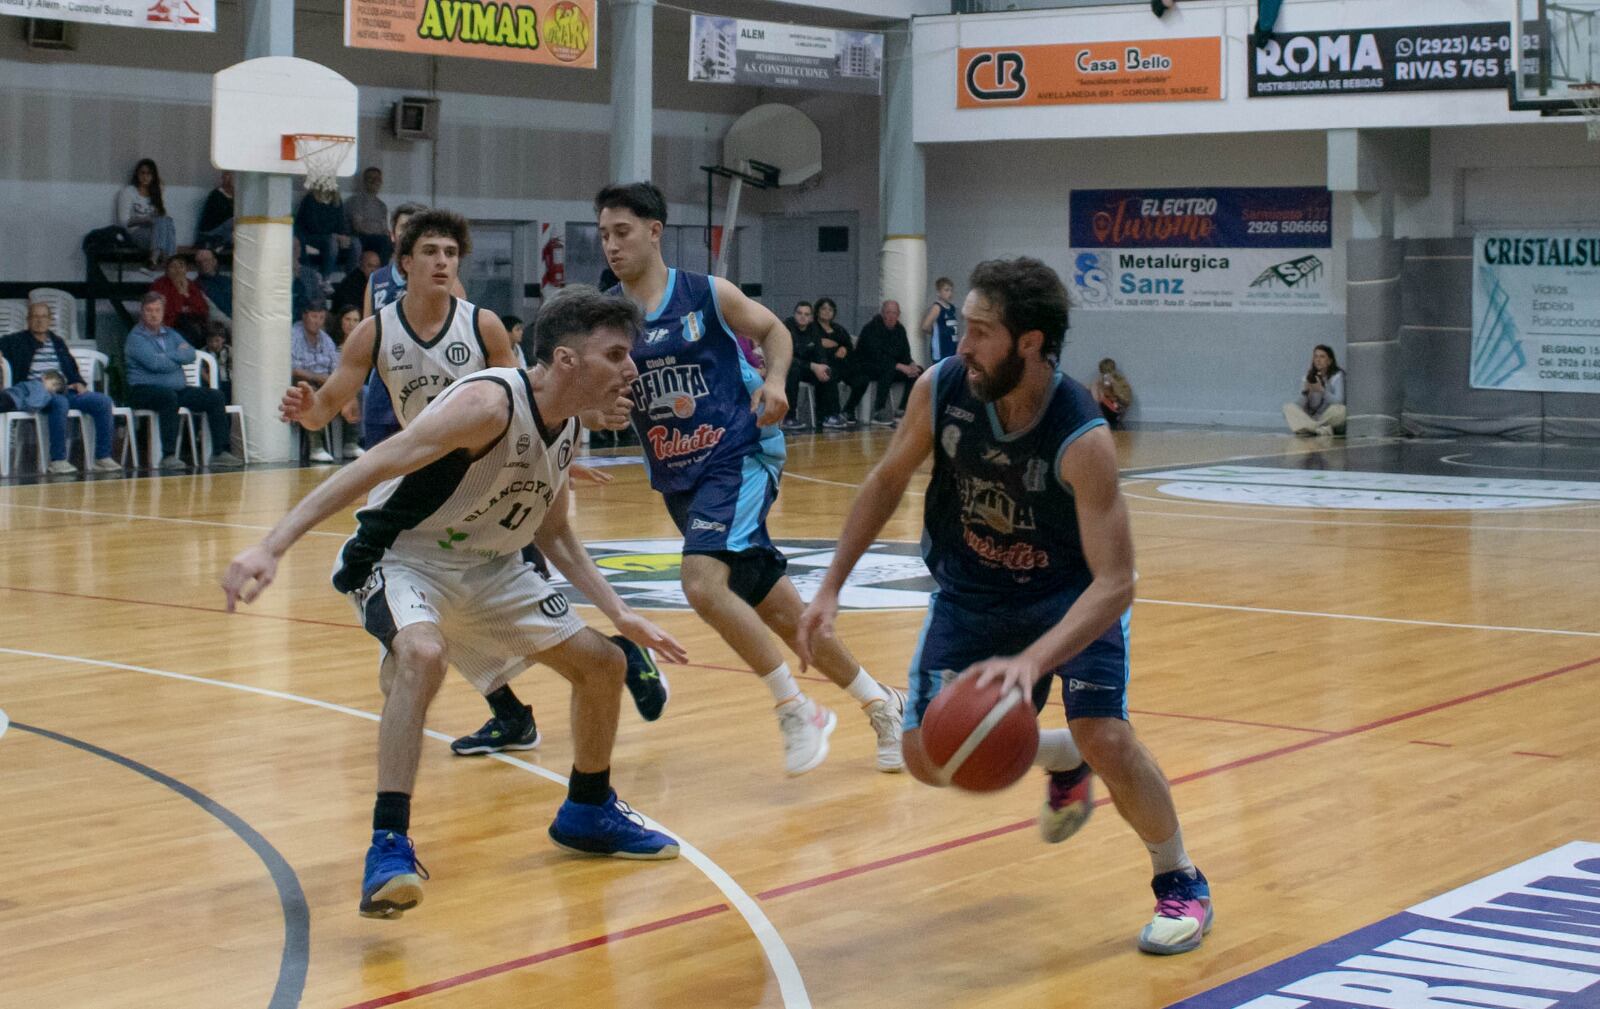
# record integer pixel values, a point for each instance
(307, 282)
(186, 309)
(838, 350)
(155, 357)
(353, 287)
(143, 212)
(324, 233)
(810, 365)
(220, 346)
(37, 351)
(313, 356)
(883, 353)
(368, 217)
(217, 288)
(215, 230)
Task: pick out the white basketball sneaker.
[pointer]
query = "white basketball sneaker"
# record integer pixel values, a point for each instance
(806, 726)
(886, 718)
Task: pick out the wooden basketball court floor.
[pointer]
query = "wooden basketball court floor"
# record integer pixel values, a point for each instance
(1359, 709)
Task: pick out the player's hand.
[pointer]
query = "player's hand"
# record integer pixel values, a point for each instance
(585, 474)
(296, 401)
(769, 403)
(816, 625)
(620, 414)
(249, 575)
(352, 411)
(1012, 671)
(647, 635)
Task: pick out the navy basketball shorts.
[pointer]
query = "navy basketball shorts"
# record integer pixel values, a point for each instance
(958, 634)
(725, 516)
(377, 413)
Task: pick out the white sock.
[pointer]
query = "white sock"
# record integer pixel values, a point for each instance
(1057, 751)
(1169, 856)
(781, 682)
(865, 689)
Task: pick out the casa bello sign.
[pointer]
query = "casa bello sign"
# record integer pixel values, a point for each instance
(1090, 73)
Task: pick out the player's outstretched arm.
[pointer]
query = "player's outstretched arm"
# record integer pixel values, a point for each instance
(561, 546)
(313, 408)
(1089, 466)
(754, 321)
(497, 349)
(874, 505)
(473, 417)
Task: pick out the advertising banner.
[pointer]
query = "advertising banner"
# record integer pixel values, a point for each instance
(561, 33)
(734, 51)
(1202, 250)
(1346, 61)
(1536, 311)
(1090, 73)
(170, 15)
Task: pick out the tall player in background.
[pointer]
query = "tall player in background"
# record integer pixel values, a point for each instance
(422, 338)
(434, 569)
(708, 425)
(1027, 534)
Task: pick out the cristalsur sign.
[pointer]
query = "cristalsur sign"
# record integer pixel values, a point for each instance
(558, 33)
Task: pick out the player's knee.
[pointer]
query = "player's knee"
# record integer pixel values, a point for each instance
(702, 587)
(917, 762)
(421, 660)
(1108, 744)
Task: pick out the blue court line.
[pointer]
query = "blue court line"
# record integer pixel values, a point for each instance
(296, 915)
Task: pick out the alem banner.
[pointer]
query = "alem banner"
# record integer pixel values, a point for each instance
(1536, 311)
(1202, 250)
(170, 15)
(1090, 73)
(734, 51)
(561, 33)
(1378, 60)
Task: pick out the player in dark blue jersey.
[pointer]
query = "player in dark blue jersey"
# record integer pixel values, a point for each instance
(939, 322)
(1023, 517)
(708, 424)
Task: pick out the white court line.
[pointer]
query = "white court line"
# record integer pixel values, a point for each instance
(1367, 619)
(836, 483)
(5, 723)
(128, 516)
(790, 984)
(1463, 526)
(1455, 460)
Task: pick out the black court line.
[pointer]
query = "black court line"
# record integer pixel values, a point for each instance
(296, 915)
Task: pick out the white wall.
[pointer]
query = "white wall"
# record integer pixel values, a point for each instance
(1524, 176)
(992, 200)
(937, 39)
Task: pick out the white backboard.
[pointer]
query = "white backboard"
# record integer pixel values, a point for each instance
(255, 103)
(780, 135)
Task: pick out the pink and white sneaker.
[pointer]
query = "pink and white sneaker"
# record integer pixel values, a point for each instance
(1068, 801)
(1183, 913)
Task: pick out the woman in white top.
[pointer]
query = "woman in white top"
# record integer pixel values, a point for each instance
(1320, 409)
(142, 211)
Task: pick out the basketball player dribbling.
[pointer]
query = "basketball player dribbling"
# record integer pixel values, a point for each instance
(1023, 517)
(435, 572)
(418, 338)
(708, 425)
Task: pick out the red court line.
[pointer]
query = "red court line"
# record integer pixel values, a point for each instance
(179, 606)
(1531, 753)
(1424, 742)
(959, 842)
(1231, 721)
(528, 961)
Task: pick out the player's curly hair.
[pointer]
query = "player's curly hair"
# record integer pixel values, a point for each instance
(1028, 295)
(577, 310)
(437, 223)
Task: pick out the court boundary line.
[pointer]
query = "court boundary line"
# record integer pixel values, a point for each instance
(791, 985)
(295, 959)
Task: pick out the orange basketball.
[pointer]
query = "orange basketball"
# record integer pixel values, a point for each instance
(979, 739)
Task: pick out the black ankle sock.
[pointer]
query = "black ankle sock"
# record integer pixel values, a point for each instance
(392, 812)
(507, 706)
(589, 789)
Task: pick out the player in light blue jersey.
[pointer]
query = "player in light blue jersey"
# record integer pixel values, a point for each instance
(1023, 518)
(708, 424)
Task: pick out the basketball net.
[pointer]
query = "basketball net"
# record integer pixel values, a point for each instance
(797, 199)
(1587, 98)
(321, 154)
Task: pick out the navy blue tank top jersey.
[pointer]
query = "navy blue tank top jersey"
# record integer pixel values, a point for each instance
(691, 401)
(999, 526)
(943, 343)
(387, 285)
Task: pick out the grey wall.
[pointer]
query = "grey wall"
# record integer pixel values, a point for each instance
(1008, 199)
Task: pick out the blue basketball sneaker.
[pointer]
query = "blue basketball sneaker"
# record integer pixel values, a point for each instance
(392, 884)
(1183, 913)
(498, 735)
(611, 829)
(646, 682)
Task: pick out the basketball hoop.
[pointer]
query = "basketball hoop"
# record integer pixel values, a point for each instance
(321, 154)
(1587, 99)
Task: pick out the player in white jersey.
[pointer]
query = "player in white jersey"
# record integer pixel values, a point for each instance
(419, 342)
(435, 571)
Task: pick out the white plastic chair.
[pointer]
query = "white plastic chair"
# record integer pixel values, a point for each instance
(95, 367)
(18, 419)
(191, 372)
(210, 371)
(13, 315)
(63, 310)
